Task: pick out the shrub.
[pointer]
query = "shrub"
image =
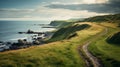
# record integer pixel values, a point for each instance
(114, 39)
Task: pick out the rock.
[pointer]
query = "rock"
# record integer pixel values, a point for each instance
(30, 31)
(36, 42)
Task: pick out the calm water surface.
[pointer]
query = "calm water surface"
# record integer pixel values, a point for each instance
(9, 29)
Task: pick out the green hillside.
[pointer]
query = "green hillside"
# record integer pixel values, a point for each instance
(107, 52)
(105, 18)
(62, 50)
(115, 38)
(68, 32)
(60, 24)
(56, 54)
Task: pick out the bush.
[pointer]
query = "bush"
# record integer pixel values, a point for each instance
(72, 35)
(114, 39)
(68, 32)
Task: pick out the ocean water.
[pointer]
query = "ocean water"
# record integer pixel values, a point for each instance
(9, 29)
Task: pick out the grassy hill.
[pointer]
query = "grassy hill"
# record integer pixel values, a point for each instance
(114, 39)
(105, 18)
(68, 32)
(62, 51)
(107, 52)
(56, 54)
(60, 24)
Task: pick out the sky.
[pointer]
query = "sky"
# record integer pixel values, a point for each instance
(56, 9)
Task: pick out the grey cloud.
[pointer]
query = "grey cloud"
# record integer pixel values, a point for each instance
(16, 10)
(112, 6)
(14, 13)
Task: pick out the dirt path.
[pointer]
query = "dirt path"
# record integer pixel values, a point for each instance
(91, 61)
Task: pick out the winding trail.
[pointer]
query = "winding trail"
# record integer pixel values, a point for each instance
(91, 61)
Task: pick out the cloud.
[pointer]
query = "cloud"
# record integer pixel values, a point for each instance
(72, 9)
(16, 10)
(14, 13)
(94, 1)
(55, 9)
(99, 6)
(80, 2)
(44, 13)
(101, 1)
(26, 19)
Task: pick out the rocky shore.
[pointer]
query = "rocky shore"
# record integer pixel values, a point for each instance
(37, 38)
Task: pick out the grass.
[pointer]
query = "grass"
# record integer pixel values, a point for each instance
(108, 53)
(60, 24)
(56, 54)
(108, 18)
(68, 32)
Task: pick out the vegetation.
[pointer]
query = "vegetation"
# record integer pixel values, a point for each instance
(67, 32)
(115, 39)
(106, 18)
(63, 49)
(108, 53)
(56, 54)
(60, 24)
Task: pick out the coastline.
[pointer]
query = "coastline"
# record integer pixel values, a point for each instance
(35, 38)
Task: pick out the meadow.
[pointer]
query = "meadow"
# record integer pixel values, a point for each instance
(108, 53)
(62, 53)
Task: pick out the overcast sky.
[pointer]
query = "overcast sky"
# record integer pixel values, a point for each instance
(56, 9)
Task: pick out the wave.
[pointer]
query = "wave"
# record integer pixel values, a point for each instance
(15, 39)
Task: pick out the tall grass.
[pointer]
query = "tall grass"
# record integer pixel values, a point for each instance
(56, 54)
(68, 32)
(108, 53)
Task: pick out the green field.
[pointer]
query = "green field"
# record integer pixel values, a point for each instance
(108, 53)
(62, 49)
(56, 54)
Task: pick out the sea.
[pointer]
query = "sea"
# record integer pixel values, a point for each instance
(9, 29)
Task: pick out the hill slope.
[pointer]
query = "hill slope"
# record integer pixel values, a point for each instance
(115, 38)
(68, 32)
(64, 51)
(105, 18)
(57, 54)
(107, 52)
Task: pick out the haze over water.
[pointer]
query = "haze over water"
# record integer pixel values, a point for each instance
(9, 29)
